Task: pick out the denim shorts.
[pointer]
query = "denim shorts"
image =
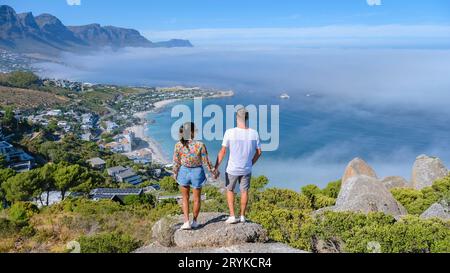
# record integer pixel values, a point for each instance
(192, 177)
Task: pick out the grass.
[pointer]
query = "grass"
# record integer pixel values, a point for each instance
(27, 99)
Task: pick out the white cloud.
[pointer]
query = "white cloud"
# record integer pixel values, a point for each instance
(374, 2)
(73, 2)
(327, 36)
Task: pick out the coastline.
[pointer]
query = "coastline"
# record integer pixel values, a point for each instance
(140, 129)
(147, 142)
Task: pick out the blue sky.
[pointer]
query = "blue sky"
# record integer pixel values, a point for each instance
(305, 23)
(199, 14)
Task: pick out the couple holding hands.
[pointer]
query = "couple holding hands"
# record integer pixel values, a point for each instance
(190, 157)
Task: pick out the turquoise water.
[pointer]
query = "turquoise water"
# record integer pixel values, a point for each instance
(317, 140)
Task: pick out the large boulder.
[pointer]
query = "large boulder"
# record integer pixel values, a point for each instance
(358, 167)
(242, 248)
(392, 182)
(366, 194)
(213, 235)
(437, 210)
(426, 170)
(214, 232)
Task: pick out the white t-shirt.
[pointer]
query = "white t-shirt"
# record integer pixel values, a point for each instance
(243, 144)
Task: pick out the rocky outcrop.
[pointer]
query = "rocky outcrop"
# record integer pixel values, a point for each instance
(392, 182)
(426, 170)
(366, 194)
(213, 232)
(242, 248)
(333, 245)
(358, 167)
(437, 210)
(213, 235)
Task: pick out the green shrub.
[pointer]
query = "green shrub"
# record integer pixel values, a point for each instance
(108, 243)
(322, 198)
(418, 201)
(168, 207)
(7, 227)
(259, 183)
(169, 184)
(284, 199)
(88, 207)
(21, 79)
(332, 189)
(410, 235)
(283, 225)
(134, 200)
(21, 212)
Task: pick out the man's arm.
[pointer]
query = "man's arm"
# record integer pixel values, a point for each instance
(220, 157)
(257, 156)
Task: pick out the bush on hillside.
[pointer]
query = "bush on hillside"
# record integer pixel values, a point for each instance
(146, 199)
(21, 212)
(108, 243)
(169, 184)
(321, 198)
(20, 79)
(418, 201)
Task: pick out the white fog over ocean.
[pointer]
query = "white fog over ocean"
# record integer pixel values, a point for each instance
(386, 104)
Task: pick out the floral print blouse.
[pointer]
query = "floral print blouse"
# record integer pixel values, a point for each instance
(193, 156)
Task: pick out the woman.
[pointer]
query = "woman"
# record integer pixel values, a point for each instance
(189, 158)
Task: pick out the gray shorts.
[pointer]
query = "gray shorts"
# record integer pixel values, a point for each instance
(243, 180)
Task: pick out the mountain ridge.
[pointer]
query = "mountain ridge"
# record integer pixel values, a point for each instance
(46, 34)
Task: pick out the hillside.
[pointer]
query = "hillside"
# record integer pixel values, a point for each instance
(46, 34)
(26, 98)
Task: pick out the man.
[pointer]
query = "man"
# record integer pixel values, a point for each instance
(245, 150)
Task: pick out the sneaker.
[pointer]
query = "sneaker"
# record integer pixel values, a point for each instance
(194, 225)
(186, 226)
(243, 220)
(232, 220)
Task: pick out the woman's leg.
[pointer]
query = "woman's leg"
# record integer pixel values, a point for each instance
(185, 192)
(197, 202)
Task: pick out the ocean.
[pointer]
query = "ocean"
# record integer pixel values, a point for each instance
(387, 106)
(317, 142)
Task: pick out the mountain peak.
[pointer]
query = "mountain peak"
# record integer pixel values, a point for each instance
(46, 34)
(27, 20)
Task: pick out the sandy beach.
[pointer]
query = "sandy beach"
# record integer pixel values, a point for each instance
(148, 142)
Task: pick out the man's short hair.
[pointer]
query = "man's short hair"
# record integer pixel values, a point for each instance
(242, 114)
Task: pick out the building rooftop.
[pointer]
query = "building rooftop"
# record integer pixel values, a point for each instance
(4, 144)
(108, 191)
(126, 174)
(116, 169)
(96, 161)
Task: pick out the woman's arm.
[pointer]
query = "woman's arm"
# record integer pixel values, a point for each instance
(205, 160)
(176, 162)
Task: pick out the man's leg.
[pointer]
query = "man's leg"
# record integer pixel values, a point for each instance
(185, 192)
(244, 202)
(197, 202)
(245, 187)
(230, 183)
(230, 199)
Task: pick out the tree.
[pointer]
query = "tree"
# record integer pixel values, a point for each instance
(47, 179)
(259, 183)
(52, 126)
(2, 161)
(5, 174)
(145, 199)
(169, 184)
(22, 187)
(67, 177)
(22, 79)
(9, 121)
